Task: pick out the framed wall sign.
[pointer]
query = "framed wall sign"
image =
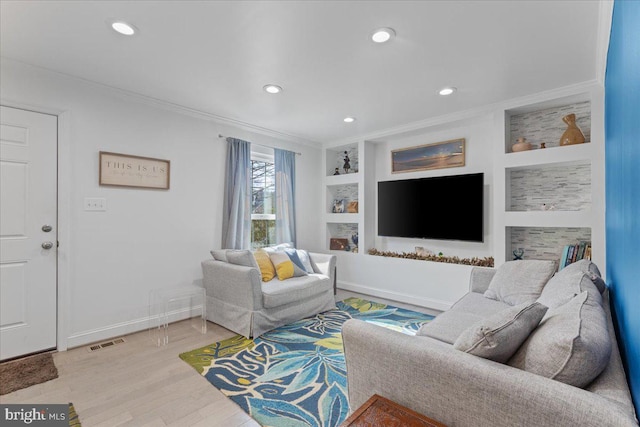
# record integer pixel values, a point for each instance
(124, 170)
(446, 154)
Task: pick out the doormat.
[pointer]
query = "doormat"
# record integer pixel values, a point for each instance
(295, 375)
(26, 371)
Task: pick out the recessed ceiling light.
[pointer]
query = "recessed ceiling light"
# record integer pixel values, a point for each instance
(272, 89)
(382, 35)
(447, 91)
(349, 119)
(123, 28)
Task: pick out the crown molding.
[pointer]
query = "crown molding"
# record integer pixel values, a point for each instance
(602, 38)
(465, 115)
(178, 108)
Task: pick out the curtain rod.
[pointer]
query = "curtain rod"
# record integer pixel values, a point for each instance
(261, 145)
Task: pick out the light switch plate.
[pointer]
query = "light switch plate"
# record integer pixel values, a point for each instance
(95, 204)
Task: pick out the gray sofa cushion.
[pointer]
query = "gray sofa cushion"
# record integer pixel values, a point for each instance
(478, 304)
(565, 285)
(219, 254)
(499, 336)
(242, 257)
(518, 282)
(571, 345)
(590, 269)
(448, 326)
(470, 309)
(276, 293)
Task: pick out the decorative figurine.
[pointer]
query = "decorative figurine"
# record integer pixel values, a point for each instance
(518, 253)
(337, 171)
(521, 145)
(347, 165)
(543, 145)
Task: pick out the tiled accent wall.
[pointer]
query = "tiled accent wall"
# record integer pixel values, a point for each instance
(547, 125)
(567, 187)
(545, 242)
(338, 161)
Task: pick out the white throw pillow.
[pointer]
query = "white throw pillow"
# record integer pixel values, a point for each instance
(306, 260)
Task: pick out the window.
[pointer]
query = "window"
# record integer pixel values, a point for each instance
(263, 202)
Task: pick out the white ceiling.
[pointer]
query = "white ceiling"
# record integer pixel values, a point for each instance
(215, 56)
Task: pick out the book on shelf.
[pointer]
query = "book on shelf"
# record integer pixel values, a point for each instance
(575, 252)
(570, 255)
(581, 247)
(563, 258)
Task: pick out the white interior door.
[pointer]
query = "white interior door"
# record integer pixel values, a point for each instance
(28, 232)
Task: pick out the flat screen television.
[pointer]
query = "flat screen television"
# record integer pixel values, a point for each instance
(440, 208)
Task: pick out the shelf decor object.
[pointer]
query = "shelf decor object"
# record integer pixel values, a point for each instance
(475, 261)
(124, 170)
(446, 154)
(517, 254)
(354, 240)
(338, 206)
(573, 134)
(338, 244)
(521, 145)
(346, 160)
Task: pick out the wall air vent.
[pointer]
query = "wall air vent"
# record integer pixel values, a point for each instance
(96, 347)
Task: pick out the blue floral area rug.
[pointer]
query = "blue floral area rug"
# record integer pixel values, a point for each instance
(295, 375)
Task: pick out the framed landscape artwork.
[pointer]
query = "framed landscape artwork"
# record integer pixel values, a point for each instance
(124, 170)
(446, 154)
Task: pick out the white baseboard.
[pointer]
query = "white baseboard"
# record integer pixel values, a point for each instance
(395, 296)
(124, 328)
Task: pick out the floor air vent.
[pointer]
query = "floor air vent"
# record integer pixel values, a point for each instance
(96, 347)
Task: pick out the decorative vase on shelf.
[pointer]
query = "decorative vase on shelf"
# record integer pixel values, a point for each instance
(521, 145)
(573, 134)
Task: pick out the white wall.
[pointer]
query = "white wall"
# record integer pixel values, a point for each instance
(147, 238)
(478, 134)
(430, 284)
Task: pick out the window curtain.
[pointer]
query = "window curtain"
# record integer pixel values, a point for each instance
(236, 222)
(285, 166)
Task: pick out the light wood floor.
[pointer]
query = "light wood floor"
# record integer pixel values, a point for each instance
(138, 384)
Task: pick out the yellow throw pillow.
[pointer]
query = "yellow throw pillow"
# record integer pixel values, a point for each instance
(283, 265)
(267, 269)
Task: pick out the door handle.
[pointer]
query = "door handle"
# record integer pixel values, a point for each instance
(46, 228)
(47, 245)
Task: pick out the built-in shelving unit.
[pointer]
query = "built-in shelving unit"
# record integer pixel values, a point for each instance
(550, 197)
(349, 186)
(567, 180)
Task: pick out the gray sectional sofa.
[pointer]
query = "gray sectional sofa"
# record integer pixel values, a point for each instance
(240, 301)
(565, 369)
